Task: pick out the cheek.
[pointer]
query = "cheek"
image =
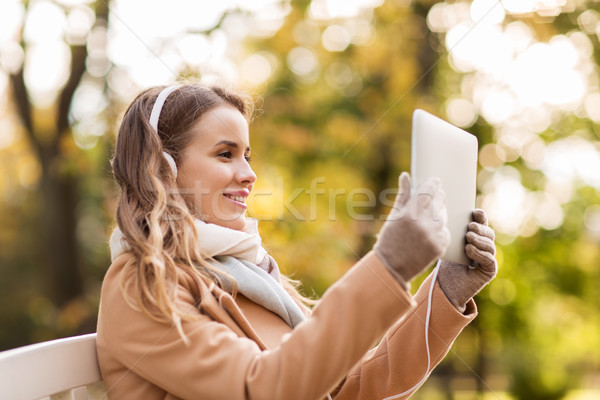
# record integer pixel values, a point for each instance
(205, 179)
(194, 174)
(220, 175)
(213, 183)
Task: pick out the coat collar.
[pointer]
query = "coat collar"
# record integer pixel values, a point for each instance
(217, 304)
(221, 307)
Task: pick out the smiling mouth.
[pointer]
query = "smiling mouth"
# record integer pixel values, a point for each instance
(239, 199)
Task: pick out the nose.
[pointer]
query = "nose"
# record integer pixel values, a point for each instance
(245, 174)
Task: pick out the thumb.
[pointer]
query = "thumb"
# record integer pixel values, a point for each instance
(404, 185)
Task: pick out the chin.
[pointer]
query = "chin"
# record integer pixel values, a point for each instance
(236, 224)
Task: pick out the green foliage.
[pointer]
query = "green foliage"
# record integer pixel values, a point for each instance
(325, 140)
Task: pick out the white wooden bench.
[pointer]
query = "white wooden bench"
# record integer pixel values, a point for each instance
(62, 369)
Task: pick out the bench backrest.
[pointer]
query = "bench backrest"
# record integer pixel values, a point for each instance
(58, 369)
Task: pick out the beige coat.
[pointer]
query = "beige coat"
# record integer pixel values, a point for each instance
(239, 350)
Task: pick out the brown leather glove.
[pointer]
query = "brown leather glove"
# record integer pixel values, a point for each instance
(461, 282)
(415, 231)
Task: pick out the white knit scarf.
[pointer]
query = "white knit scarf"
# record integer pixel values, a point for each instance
(241, 255)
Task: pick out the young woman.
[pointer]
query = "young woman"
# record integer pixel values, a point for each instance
(193, 307)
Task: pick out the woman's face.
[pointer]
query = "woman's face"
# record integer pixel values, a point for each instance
(214, 168)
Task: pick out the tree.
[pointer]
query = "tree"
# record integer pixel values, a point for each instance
(59, 190)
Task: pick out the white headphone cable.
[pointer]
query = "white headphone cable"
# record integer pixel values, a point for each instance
(427, 320)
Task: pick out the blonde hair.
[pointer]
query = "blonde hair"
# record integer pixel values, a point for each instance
(155, 219)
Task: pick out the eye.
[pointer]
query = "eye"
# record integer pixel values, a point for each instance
(248, 158)
(225, 154)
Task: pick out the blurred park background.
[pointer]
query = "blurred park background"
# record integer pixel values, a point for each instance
(335, 83)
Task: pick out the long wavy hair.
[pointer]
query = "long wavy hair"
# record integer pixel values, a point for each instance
(157, 222)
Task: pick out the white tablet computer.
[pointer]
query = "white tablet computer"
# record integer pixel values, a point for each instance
(441, 149)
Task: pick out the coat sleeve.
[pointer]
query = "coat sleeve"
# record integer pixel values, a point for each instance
(218, 364)
(399, 362)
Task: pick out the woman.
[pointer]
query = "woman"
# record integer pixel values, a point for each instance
(193, 307)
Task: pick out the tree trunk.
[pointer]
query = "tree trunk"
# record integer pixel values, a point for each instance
(58, 188)
(61, 261)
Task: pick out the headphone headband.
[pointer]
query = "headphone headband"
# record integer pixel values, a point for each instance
(154, 117)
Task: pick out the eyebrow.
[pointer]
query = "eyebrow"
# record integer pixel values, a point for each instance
(230, 144)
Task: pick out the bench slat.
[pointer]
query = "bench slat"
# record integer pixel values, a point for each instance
(42, 369)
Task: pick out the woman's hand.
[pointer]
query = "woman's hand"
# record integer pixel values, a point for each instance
(415, 231)
(461, 282)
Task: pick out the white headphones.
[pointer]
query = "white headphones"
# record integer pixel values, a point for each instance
(155, 115)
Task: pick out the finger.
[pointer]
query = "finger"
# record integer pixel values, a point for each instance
(440, 211)
(482, 230)
(446, 237)
(481, 242)
(486, 261)
(480, 216)
(430, 195)
(430, 186)
(441, 195)
(432, 209)
(441, 239)
(404, 186)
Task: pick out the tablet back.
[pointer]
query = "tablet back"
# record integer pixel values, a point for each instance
(441, 149)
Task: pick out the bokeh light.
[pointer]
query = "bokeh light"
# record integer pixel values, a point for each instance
(330, 9)
(339, 71)
(258, 68)
(336, 38)
(303, 62)
(11, 19)
(572, 159)
(519, 84)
